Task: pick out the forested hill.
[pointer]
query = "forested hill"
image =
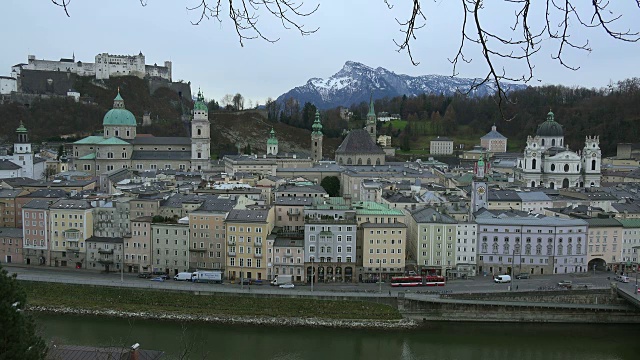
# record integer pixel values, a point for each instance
(63, 116)
(612, 113)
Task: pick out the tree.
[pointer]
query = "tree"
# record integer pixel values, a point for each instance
(60, 152)
(331, 184)
(49, 172)
(238, 102)
(513, 42)
(18, 338)
(227, 101)
(213, 105)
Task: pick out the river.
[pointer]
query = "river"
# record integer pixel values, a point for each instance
(438, 341)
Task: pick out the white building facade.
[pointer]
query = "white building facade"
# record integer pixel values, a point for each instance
(534, 245)
(548, 162)
(441, 146)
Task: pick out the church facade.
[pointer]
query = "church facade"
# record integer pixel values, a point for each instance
(121, 146)
(548, 162)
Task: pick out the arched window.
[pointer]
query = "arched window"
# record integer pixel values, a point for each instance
(527, 249)
(484, 247)
(368, 161)
(549, 249)
(559, 250)
(349, 161)
(533, 164)
(359, 161)
(566, 167)
(378, 161)
(495, 248)
(542, 142)
(538, 249)
(505, 248)
(553, 167)
(199, 132)
(593, 164)
(533, 184)
(553, 142)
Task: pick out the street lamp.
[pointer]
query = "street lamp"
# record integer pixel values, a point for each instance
(380, 277)
(635, 248)
(241, 278)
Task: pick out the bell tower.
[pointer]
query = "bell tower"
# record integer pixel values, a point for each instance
(371, 120)
(479, 191)
(316, 138)
(200, 135)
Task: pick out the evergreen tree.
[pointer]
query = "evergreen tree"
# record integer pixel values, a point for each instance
(18, 338)
(331, 184)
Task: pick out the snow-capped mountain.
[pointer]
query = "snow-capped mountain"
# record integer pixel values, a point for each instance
(355, 81)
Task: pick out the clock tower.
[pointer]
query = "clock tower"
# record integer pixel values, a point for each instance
(479, 191)
(200, 136)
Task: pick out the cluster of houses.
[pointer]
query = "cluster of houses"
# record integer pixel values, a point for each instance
(136, 203)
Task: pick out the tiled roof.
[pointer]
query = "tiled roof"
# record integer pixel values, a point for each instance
(255, 215)
(8, 165)
(10, 232)
(609, 222)
(359, 142)
(431, 215)
(493, 134)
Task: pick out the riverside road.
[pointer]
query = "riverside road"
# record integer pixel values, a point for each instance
(475, 285)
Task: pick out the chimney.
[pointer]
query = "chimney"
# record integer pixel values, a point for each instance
(134, 354)
(347, 199)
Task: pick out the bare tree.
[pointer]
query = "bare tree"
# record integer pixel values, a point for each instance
(238, 102)
(227, 100)
(560, 23)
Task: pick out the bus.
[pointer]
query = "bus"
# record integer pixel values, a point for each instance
(406, 281)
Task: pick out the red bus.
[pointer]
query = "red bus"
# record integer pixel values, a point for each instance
(406, 281)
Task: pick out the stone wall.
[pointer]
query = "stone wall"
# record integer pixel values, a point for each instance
(181, 88)
(594, 297)
(46, 82)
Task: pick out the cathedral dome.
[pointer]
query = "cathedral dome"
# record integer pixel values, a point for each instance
(119, 115)
(550, 127)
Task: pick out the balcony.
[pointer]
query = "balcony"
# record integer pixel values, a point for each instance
(231, 242)
(258, 243)
(293, 212)
(231, 253)
(73, 248)
(105, 251)
(288, 255)
(105, 261)
(198, 249)
(257, 255)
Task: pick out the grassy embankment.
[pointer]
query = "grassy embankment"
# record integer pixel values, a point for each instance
(168, 302)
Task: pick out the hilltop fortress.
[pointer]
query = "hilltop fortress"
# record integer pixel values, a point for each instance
(104, 67)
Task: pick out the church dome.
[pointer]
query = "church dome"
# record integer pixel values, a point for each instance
(272, 138)
(550, 127)
(119, 115)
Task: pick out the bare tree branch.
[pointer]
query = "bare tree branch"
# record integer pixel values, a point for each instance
(63, 4)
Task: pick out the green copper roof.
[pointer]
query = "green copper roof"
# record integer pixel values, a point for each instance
(272, 138)
(122, 117)
(90, 140)
(21, 128)
(372, 112)
(118, 97)
(374, 208)
(550, 127)
(317, 125)
(200, 103)
(630, 223)
(113, 141)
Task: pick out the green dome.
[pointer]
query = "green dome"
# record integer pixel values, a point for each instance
(119, 117)
(550, 127)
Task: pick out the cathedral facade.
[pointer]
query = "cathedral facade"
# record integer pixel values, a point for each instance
(548, 162)
(121, 146)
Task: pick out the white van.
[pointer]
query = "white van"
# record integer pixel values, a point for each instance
(184, 276)
(502, 279)
(622, 278)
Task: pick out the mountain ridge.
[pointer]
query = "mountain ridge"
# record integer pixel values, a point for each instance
(355, 82)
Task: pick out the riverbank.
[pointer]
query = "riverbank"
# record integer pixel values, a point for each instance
(217, 308)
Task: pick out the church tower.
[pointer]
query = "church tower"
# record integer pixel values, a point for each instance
(272, 143)
(371, 120)
(22, 154)
(591, 161)
(200, 135)
(479, 192)
(316, 138)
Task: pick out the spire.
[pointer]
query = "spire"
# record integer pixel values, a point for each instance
(317, 126)
(372, 111)
(200, 103)
(550, 116)
(118, 101)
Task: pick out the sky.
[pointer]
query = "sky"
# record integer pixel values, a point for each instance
(210, 56)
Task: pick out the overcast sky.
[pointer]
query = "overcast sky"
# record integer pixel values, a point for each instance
(210, 56)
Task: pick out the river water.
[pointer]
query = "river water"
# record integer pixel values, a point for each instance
(437, 341)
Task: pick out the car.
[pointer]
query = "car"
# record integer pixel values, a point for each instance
(287, 286)
(144, 275)
(158, 278)
(245, 282)
(565, 284)
(165, 276)
(522, 276)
